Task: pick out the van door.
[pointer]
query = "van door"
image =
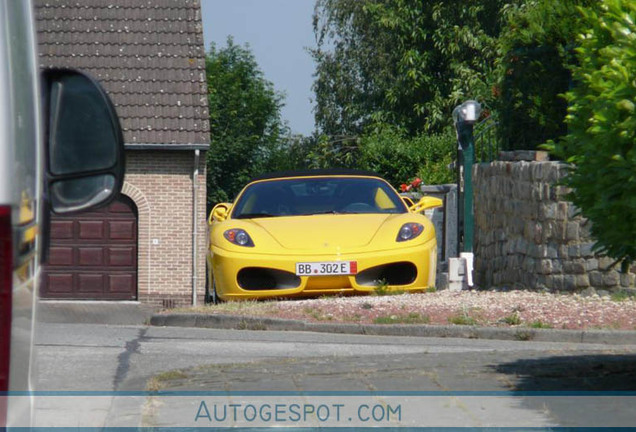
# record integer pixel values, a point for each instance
(20, 194)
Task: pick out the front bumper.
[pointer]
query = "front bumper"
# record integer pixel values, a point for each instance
(226, 266)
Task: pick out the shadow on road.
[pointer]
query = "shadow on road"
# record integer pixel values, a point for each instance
(572, 373)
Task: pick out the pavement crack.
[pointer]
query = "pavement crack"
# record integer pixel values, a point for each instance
(123, 359)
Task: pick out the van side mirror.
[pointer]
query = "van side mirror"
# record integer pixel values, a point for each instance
(84, 142)
(426, 203)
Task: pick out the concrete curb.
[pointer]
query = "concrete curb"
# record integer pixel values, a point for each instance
(609, 337)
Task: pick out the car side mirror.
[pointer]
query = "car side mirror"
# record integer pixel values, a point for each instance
(220, 212)
(408, 201)
(84, 141)
(426, 203)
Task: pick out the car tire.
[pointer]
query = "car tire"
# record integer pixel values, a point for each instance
(214, 296)
(211, 297)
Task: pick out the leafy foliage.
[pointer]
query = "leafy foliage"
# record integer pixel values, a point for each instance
(337, 152)
(291, 152)
(401, 62)
(601, 143)
(391, 153)
(536, 52)
(399, 158)
(245, 121)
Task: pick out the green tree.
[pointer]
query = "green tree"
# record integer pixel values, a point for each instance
(245, 121)
(601, 143)
(402, 62)
(291, 152)
(536, 54)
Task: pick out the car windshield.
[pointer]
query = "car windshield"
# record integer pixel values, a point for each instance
(322, 195)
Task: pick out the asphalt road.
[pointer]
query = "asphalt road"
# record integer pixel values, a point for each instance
(124, 358)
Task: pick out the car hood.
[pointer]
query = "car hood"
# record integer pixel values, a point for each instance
(331, 231)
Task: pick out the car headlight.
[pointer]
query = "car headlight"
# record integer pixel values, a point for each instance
(239, 237)
(409, 231)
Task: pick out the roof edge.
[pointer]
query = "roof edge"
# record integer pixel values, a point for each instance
(171, 147)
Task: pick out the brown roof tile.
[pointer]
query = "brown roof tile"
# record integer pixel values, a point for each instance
(148, 54)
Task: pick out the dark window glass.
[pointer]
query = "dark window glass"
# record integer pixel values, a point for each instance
(82, 134)
(322, 195)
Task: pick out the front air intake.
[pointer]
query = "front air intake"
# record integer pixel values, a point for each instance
(401, 273)
(259, 279)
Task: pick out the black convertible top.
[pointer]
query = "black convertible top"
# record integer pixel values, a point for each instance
(316, 172)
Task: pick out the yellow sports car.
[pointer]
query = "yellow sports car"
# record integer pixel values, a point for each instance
(319, 232)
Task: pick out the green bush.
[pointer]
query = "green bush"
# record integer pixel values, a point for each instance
(398, 158)
(390, 152)
(602, 128)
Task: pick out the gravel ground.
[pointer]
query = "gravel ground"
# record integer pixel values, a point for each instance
(484, 308)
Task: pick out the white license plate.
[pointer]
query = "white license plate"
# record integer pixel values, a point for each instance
(327, 268)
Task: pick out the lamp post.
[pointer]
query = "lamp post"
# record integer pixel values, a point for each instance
(464, 117)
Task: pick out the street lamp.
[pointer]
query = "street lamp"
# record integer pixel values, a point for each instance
(464, 117)
(468, 112)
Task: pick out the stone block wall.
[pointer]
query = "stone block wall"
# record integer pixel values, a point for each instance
(528, 236)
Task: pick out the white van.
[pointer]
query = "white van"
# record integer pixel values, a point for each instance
(61, 149)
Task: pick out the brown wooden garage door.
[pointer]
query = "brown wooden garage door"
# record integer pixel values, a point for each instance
(93, 255)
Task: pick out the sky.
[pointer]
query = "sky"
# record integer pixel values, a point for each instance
(278, 32)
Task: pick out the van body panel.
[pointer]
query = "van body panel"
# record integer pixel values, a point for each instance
(21, 186)
(25, 111)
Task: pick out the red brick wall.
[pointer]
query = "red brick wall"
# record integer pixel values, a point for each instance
(160, 184)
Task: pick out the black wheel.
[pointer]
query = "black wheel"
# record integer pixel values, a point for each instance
(215, 297)
(210, 288)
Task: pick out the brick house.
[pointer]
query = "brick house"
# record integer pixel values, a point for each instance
(150, 244)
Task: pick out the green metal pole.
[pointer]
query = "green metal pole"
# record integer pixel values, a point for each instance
(468, 149)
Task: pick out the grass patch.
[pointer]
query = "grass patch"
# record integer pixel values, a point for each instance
(384, 289)
(412, 318)
(317, 314)
(462, 319)
(157, 382)
(171, 375)
(366, 305)
(621, 296)
(154, 385)
(524, 335)
(512, 319)
(247, 325)
(538, 324)
(251, 307)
